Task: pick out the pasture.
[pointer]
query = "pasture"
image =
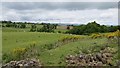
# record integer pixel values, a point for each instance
(21, 39)
(12, 39)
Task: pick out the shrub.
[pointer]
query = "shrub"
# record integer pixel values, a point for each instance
(18, 53)
(113, 34)
(69, 38)
(32, 30)
(96, 36)
(59, 31)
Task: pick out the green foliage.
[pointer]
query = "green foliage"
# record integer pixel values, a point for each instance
(22, 25)
(92, 27)
(113, 28)
(59, 31)
(7, 57)
(47, 53)
(13, 24)
(45, 43)
(33, 28)
(47, 28)
(23, 39)
(18, 53)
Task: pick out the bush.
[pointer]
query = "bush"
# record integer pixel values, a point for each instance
(18, 53)
(32, 30)
(59, 31)
(96, 36)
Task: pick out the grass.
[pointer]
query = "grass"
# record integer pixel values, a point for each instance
(11, 29)
(11, 40)
(61, 30)
(16, 38)
(57, 55)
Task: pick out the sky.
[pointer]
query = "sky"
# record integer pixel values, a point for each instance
(60, 0)
(61, 12)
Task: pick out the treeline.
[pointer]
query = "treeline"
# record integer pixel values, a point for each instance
(13, 24)
(92, 27)
(47, 27)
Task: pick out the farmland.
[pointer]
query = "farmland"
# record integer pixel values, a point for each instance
(65, 34)
(57, 46)
(24, 39)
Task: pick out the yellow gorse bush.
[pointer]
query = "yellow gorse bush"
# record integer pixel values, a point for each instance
(94, 35)
(117, 33)
(19, 52)
(106, 35)
(113, 34)
(110, 35)
(75, 37)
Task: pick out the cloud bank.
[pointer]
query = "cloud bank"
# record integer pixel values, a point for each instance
(62, 12)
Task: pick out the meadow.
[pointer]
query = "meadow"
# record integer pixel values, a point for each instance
(51, 48)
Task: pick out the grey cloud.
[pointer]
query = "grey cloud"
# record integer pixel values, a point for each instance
(59, 5)
(49, 11)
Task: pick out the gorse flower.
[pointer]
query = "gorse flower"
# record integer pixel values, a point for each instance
(19, 52)
(69, 38)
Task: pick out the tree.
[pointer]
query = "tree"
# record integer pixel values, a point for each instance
(47, 28)
(68, 27)
(55, 26)
(23, 25)
(91, 27)
(103, 29)
(33, 28)
(8, 25)
(112, 28)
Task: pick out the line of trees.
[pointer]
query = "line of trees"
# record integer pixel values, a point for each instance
(92, 27)
(47, 27)
(13, 24)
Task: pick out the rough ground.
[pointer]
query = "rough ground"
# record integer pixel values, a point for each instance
(102, 58)
(23, 63)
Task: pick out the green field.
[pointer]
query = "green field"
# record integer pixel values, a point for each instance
(71, 48)
(21, 39)
(59, 34)
(11, 39)
(62, 29)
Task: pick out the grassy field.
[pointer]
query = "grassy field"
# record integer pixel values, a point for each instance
(57, 55)
(21, 39)
(10, 29)
(62, 29)
(53, 57)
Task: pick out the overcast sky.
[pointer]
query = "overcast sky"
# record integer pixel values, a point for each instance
(61, 12)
